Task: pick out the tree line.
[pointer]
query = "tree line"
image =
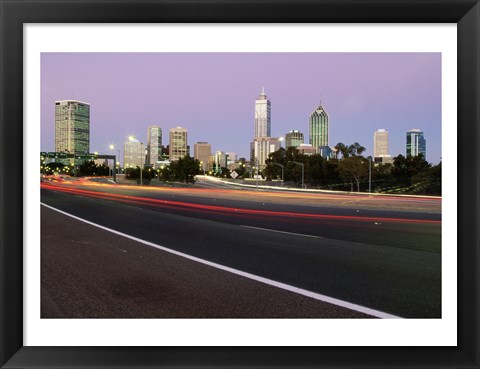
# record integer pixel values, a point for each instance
(182, 170)
(351, 171)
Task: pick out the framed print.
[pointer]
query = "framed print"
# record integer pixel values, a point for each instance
(234, 242)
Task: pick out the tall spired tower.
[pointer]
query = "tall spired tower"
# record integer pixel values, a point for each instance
(262, 144)
(318, 127)
(262, 116)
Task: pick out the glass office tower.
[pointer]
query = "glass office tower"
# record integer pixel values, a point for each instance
(72, 127)
(416, 143)
(318, 127)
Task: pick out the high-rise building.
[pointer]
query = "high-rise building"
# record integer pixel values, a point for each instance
(262, 115)
(231, 157)
(318, 127)
(380, 147)
(178, 147)
(380, 143)
(133, 154)
(154, 145)
(72, 126)
(416, 143)
(293, 139)
(219, 161)
(202, 151)
(261, 147)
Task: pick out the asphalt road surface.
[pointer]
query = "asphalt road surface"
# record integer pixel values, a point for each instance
(378, 253)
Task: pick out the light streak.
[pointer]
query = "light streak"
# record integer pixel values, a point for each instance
(223, 209)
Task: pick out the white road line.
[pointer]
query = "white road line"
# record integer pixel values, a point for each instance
(300, 291)
(274, 230)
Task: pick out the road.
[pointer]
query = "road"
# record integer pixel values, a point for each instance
(381, 253)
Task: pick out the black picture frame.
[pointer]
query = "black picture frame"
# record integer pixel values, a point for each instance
(15, 13)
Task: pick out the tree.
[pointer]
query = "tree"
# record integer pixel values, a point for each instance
(353, 168)
(134, 173)
(223, 173)
(352, 150)
(314, 174)
(342, 149)
(184, 169)
(241, 170)
(281, 156)
(165, 175)
(51, 168)
(429, 181)
(356, 149)
(87, 168)
(404, 168)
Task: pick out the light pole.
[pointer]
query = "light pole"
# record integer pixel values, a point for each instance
(370, 174)
(112, 147)
(256, 175)
(303, 171)
(141, 163)
(244, 169)
(280, 165)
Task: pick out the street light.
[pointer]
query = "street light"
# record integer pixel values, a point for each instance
(303, 171)
(112, 147)
(244, 169)
(280, 165)
(370, 174)
(256, 175)
(142, 152)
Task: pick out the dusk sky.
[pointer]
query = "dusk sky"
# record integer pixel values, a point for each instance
(213, 96)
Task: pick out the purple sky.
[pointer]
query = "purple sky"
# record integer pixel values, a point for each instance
(213, 95)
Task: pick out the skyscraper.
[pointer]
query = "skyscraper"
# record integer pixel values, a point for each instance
(202, 151)
(262, 143)
(380, 143)
(133, 154)
(178, 143)
(262, 116)
(219, 161)
(293, 139)
(318, 127)
(380, 147)
(154, 145)
(232, 156)
(416, 143)
(261, 147)
(72, 126)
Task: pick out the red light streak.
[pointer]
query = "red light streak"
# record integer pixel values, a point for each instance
(213, 208)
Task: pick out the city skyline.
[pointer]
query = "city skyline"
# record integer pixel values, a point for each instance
(212, 95)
